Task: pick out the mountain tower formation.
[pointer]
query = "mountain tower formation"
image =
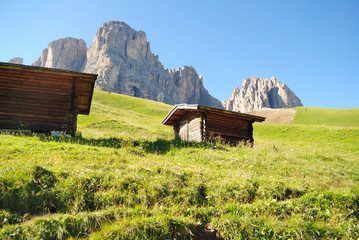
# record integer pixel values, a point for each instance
(122, 58)
(257, 93)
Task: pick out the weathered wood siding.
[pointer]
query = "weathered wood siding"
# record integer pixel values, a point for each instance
(228, 126)
(43, 100)
(190, 130)
(195, 122)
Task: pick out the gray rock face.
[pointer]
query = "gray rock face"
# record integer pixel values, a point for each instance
(17, 60)
(65, 53)
(257, 93)
(122, 58)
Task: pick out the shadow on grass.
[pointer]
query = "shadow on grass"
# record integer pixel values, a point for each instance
(160, 146)
(101, 142)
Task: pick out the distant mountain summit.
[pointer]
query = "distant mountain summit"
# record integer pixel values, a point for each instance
(257, 93)
(17, 60)
(65, 53)
(122, 58)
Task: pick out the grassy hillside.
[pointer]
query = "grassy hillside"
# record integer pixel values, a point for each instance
(126, 178)
(116, 115)
(327, 116)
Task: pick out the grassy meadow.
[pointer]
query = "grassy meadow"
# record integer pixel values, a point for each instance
(327, 116)
(124, 176)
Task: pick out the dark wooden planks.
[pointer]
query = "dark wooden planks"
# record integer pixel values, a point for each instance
(42, 99)
(226, 125)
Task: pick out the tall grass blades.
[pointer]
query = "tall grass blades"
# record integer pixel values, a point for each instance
(124, 176)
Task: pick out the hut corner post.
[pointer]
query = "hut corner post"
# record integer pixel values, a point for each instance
(73, 111)
(250, 134)
(176, 129)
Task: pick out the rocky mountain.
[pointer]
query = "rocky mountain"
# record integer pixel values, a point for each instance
(257, 93)
(17, 60)
(65, 53)
(122, 58)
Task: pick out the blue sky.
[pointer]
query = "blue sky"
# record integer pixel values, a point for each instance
(312, 46)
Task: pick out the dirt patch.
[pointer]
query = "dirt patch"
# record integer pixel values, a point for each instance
(204, 233)
(276, 116)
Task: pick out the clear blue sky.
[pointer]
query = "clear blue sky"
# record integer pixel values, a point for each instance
(312, 46)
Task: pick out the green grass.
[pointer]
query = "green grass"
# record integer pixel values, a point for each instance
(327, 116)
(116, 115)
(126, 177)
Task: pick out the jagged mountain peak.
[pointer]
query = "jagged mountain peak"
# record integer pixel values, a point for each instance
(124, 62)
(65, 53)
(119, 37)
(257, 93)
(17, 60)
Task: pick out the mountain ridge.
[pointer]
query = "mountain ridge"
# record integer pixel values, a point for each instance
(64, 53)
(257, 93)
(124, 62)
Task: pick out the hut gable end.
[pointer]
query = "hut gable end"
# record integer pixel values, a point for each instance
(190, 129)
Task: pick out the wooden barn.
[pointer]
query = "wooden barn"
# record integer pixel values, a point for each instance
(193, 122)
(43, 100)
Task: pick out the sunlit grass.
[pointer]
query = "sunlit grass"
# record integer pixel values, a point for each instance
(126, 177)
(327, 116)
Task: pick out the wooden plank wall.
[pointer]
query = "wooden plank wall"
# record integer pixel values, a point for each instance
(223, 125)
(190, 130)
(42, 101)
(84, 91)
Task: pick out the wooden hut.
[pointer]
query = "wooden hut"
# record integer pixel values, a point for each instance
(193, 122)
(43, 99)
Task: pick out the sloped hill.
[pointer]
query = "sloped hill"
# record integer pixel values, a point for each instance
(311, 116)
(117, 115)
(276, 116)
(327, 116)
(126, 178)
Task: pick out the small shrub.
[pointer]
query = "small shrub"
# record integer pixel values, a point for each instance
(198, 195)
(8, 218)
(43, 177)
(159, 227)
(35, 194)
(243, 194)
(78, 193)
(59, 227)
(282, 192)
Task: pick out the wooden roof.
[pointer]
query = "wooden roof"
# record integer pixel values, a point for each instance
(183, 111)
(43, 69)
